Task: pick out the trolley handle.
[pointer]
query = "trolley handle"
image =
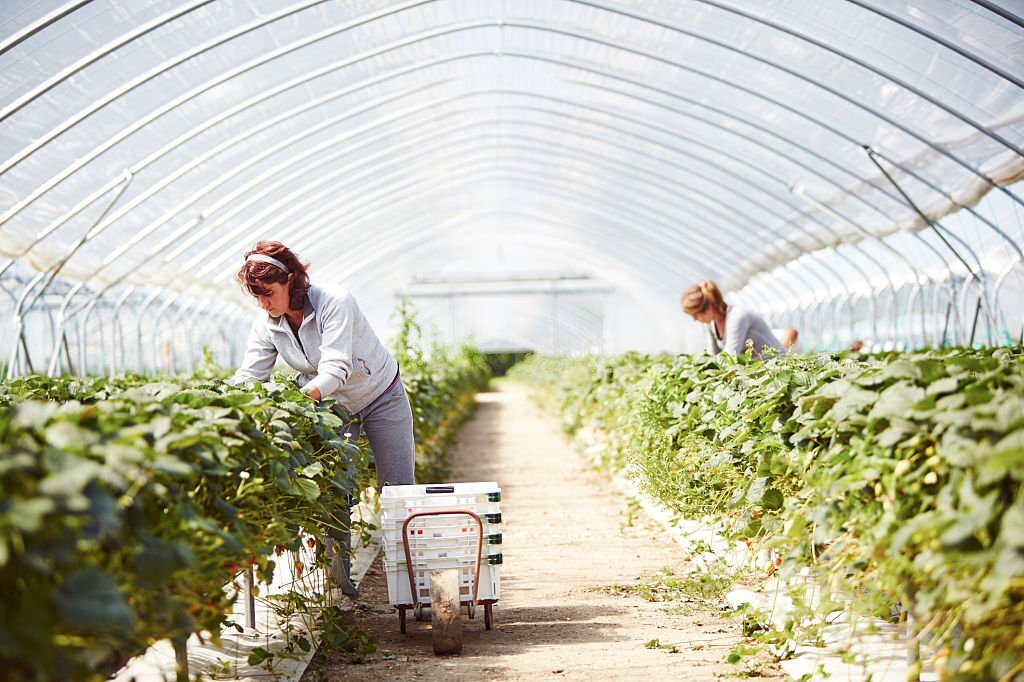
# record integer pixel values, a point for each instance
(408, 553)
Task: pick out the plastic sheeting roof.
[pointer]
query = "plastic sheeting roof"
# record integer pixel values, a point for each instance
(650, 143)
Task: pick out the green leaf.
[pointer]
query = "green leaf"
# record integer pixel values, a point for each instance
(896, 401)
(931, 370)
(757, 489)
(28, 515)
(72, 477)
(157, 559)
(972, 514)
(311, 471)
(307, 488)
(196, 397)
(90, 600)
(1010, 413)
(977, 394)
(1012, 526)
(67, 436)
(173, 465)
(853, 401)
(899, 430)
(944, 386)
(1005, 459)
(772, 499)
(902, 369)
(258, 655)
(33, 414)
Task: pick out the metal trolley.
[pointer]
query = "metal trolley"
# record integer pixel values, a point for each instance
(439, 554)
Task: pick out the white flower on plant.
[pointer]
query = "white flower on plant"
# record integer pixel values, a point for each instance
(243, 475)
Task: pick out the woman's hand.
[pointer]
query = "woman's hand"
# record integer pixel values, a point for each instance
(314, 393)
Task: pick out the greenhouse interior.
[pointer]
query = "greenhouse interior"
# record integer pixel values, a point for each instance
(493, 180)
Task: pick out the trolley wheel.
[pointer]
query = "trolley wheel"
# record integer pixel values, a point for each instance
(445, 610)
(401, 619)
(488, 617)
(419, 613)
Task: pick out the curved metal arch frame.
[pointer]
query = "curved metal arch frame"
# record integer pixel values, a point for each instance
(300, 237)
(352, 88)
(367, 198)
(349, 89)
(996, 9)
(863, 64)
(311, 199)
(402, 247)
(136, 201)
(412, 210)
(663, 59)
(390, 249)
(529, 178)
(41, 24)
(223, 77)
(948, 44)
(277, 173)
(730, 131)
(138, 167)
(97, 55)
(891, 122)
(280, 180)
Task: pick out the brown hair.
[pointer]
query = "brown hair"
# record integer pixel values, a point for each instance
(254, 276)
(700, 297)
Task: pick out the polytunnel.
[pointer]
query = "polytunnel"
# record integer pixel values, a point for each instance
(532, 174)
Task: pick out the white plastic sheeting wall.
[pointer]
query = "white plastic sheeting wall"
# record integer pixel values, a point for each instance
(801, 153)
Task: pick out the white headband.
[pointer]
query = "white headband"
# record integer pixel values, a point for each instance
(259, 257)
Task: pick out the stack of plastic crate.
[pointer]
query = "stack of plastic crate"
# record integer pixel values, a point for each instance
(442, 541)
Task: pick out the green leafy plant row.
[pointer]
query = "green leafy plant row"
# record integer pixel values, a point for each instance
(897, 478)
(127, 504)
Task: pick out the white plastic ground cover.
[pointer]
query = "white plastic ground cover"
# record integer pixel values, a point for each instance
(853, 647)
(230, 659)
(157, 138)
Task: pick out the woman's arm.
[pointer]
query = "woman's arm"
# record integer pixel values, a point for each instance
(260, 356)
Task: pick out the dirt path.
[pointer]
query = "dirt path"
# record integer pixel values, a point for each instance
(570, 545)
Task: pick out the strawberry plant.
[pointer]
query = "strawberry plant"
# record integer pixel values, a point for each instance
(895, 477)
(127, 503)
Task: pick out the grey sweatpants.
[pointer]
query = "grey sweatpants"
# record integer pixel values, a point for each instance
(388, 425)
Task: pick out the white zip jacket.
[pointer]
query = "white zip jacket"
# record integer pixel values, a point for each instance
(336, 351)
(743, 326)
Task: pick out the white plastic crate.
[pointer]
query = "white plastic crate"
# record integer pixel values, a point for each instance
(441, 541)
(398, 579)
(402, 500)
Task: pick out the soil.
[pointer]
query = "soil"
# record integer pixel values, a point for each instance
(575, 551)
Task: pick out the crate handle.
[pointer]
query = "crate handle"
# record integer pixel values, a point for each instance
(440, 488)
